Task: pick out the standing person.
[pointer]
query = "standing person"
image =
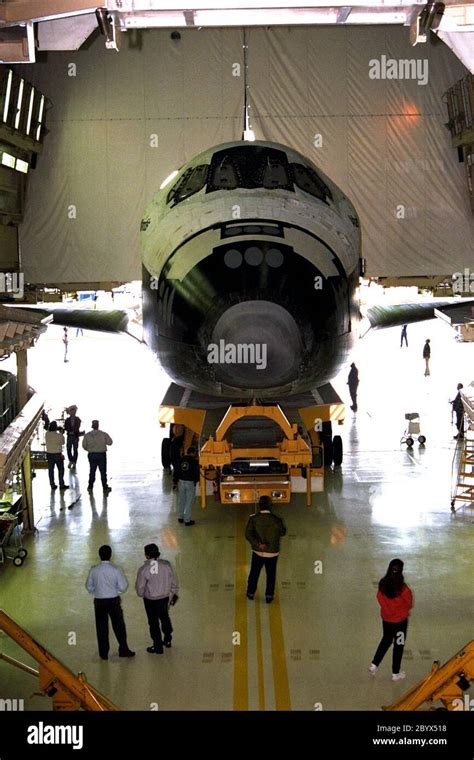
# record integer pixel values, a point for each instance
(95, 442)
(263, 532)
(188, 476)
(458, 409)
(353, 383)
(427, 356)
(404, 336)
(106, 581)
(176, 446)
(54, 440)
(72, 427)
(156, 584)
(79, 330)
(65, 342)
(396, 601)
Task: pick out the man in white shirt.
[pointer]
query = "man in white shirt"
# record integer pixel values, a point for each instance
(95, 442)
(106, 581)
(54, 446)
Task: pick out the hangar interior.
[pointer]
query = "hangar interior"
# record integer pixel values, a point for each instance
(99, 107)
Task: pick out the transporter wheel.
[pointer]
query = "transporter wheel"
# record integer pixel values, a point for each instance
(337, 450)
(421, 439)
(166, 453)
(22, 553)
(328, 452)
(18, 561)
(409, 442)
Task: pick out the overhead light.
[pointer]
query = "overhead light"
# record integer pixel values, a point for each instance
(168, 179)
(109, 28)
(8, 160)
(7, 95)
(40, 118)
(429, 19)
(19, 102)
(30, 111)
(22, 166)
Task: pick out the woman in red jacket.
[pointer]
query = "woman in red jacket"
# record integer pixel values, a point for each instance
(396, 601)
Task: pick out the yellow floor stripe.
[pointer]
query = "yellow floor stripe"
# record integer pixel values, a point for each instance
(241, 686)
(280, 672)
(260, 671)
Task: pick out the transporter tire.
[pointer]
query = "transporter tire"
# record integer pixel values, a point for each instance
(337, 450)
(166, 453)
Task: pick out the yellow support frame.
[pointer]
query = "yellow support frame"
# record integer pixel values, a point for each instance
(68, 692)
(441, 684)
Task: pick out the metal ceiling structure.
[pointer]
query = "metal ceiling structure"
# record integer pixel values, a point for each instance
(30, 25)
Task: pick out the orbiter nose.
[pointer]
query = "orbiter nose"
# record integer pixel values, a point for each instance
(258, 345)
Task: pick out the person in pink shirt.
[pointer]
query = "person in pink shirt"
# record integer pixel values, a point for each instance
(396, 601)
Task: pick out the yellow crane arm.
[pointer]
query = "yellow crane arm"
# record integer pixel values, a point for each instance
(68, 692)
(446, 683)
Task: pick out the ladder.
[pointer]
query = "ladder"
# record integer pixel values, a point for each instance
(463, 490)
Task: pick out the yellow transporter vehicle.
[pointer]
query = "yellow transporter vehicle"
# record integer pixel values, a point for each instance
(248, 450)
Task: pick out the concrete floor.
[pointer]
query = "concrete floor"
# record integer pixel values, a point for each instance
(311, 648)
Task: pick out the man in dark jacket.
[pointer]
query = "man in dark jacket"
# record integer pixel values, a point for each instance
(188, 476)
(263, 532)
(458, 409)
(72, 428)
(427, 356)
(353, 383)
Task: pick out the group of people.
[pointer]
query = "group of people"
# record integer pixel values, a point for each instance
(156, 584)
(95, 442)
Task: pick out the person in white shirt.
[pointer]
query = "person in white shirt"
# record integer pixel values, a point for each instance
(54, 445)
(95, 442)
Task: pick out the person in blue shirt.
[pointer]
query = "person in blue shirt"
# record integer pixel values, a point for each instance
(106, 581)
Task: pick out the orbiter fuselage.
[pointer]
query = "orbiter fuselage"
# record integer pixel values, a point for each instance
(251, 260)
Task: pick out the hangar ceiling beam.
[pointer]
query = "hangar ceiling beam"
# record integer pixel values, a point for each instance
(20, 11)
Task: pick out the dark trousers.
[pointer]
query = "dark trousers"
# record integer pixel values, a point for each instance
(98, 460)
(55, 460)
(105, 608)
(404, 338)
(72, 444)
(393, 633)
(255, 568)
(460, 422)
(157, 612)
(353, 392)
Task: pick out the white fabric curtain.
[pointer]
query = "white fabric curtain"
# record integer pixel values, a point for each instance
(383, 141)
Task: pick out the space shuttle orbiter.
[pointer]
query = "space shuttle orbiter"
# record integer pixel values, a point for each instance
(251, 260)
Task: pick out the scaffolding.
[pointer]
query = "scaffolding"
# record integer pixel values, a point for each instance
(462, 492)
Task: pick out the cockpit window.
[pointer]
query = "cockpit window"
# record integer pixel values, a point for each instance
(307, 179)
(250, 167)
(189, 183)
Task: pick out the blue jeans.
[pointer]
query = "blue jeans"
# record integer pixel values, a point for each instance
(186, 493)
